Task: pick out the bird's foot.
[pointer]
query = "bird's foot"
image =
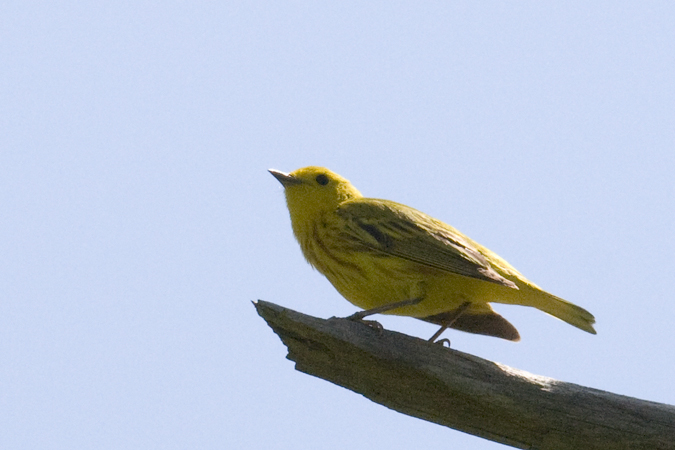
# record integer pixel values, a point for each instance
(374, 324)
(443, 342)
(359, 317)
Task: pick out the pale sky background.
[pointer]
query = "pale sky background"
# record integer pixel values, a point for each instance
(139, 220)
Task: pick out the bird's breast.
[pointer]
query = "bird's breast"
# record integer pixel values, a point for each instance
(365, 276)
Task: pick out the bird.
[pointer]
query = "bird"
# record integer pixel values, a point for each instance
(388, 258)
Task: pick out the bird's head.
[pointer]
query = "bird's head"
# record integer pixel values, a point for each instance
(312, 191)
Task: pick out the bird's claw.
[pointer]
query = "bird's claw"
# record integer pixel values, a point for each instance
(374, 324)
(442, 342)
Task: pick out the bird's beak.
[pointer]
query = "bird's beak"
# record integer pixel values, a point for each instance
(284, 178)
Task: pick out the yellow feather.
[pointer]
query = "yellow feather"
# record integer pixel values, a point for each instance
(378, 252)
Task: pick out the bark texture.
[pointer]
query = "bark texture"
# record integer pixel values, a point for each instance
(467, 393)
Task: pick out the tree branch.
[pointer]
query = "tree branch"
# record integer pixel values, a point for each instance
(467, 393)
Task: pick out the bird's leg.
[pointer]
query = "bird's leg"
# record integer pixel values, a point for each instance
(359, 316)
(458, 312)
(384, 308)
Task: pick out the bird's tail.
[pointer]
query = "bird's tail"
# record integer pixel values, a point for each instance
(564, 310)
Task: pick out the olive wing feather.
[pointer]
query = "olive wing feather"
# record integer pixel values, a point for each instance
(401, 231)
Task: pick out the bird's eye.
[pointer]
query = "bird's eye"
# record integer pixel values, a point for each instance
(322, 179)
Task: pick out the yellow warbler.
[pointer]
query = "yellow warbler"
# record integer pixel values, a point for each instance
(389, 258)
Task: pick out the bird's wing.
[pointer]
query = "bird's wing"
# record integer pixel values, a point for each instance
(401, 231)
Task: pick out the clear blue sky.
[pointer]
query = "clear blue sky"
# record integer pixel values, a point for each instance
(139, 221)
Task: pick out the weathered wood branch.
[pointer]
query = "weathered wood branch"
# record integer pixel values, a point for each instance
(467, 393)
